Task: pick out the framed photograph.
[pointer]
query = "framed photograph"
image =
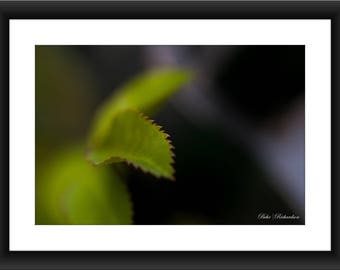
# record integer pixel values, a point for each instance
(169, 134)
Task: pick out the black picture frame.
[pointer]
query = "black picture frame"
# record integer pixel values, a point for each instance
(168, 10)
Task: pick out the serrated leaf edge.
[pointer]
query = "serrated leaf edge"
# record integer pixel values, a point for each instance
(166, 138)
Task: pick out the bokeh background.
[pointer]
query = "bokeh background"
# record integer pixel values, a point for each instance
(238, 127)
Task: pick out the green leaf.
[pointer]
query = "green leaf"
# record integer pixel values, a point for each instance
(70, 191)
(119, 134)
(147, 91)
(137, 140)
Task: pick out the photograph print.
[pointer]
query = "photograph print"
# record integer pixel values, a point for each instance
(170, 135)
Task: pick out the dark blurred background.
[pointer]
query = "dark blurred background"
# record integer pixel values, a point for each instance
(238, 128)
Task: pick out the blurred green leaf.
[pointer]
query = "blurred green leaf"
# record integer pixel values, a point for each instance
(145, 93)
(137, 140)
(148, 91)
(62, 79)
(70, 191)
